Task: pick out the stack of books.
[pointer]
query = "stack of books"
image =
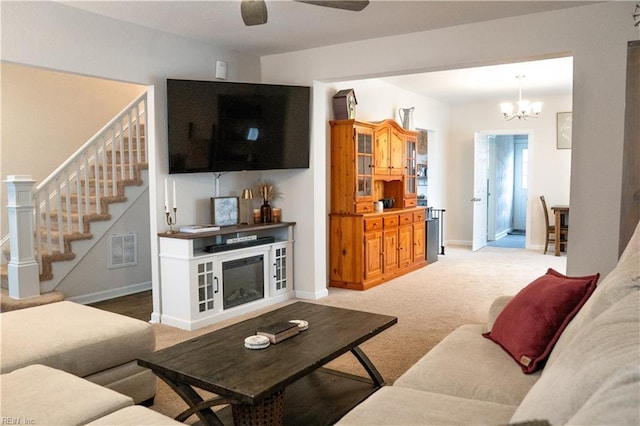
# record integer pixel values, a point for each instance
(194, 229)
(279, 331)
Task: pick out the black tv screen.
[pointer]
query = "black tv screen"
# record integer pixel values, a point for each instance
(222, 126)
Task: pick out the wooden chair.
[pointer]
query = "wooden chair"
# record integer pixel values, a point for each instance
(551, 230)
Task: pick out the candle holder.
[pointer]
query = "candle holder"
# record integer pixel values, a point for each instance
(247, 196)
(171, 220)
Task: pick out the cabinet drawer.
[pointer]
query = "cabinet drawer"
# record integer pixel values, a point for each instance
(406, 218)
(390, 221)
(419, 216)
(364, 207)
(372, 224)
(410, 202)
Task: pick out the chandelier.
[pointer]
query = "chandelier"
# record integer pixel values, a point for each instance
(525, 109)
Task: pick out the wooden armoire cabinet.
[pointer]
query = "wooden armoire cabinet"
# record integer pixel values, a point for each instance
(370, 162)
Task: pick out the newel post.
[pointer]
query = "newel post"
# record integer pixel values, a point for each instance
(24, 280)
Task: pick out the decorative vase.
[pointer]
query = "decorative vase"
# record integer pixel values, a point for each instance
(265, 212)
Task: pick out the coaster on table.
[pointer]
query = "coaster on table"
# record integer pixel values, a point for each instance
(302, 324)
(256, 342)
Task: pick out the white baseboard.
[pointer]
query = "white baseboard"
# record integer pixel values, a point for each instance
(458, 243)
(309, 295)
(86, 299)
(503, 233)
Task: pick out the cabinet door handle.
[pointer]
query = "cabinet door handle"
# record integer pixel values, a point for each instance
(217, 285)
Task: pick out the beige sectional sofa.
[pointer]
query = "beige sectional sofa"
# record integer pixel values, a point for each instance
(97, 345)
(591, 376)
(66, 364)
(41, 395)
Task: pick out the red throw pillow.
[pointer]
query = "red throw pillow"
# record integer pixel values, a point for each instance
(531, 323)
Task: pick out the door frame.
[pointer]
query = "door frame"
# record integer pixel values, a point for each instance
(515, 132)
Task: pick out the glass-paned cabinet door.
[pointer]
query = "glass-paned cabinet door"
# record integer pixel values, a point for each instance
(207, 287)
(281, 268)
(411, 169)
(364, 158)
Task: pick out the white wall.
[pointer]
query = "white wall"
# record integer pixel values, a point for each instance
(52, 35)
(597, 41)
(92, 280)
(549, 171)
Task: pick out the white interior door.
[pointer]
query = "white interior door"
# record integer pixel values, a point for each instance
(479, 200)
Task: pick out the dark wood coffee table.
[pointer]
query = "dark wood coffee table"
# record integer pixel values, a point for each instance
(218, 362)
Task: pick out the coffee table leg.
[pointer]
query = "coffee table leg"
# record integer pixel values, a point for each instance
(368, 365)
(197, 405)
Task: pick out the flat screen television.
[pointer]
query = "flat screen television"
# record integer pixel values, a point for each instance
(223, 126)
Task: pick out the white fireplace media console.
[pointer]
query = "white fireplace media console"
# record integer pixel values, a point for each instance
(205, 279)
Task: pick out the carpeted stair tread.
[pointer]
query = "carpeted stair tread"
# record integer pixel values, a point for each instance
(8, 303)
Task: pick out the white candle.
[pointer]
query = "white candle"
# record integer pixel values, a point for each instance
(174, 195)
(166, 197)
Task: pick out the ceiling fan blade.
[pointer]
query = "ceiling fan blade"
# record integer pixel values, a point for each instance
(254, 12)
(354, 5)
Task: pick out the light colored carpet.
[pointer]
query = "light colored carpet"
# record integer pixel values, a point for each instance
(429, 303)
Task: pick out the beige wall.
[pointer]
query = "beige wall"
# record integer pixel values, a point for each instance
(47, 116)
(53, 114)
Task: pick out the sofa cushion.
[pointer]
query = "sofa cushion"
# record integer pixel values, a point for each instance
(130, 379)
(496, 307)
(403, 406)
(617, 401)
(72, 337)
(531, 323)
(604, 348)
(42, 395)
(466, 365)
(135, 416)
(621, 281)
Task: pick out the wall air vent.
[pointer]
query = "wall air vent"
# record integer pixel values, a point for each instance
(123, 250)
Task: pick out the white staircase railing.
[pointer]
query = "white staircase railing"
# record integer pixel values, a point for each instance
(87, 181)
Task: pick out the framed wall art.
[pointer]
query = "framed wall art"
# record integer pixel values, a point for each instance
(423, 142)
(563, 124)
(224, 211)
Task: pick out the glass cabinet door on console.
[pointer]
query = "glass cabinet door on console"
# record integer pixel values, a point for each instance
(281, 268)
(208, 287)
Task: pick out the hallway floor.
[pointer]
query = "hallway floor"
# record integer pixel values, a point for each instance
(511, 240)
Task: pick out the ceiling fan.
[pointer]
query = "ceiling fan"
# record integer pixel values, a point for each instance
(254, 12)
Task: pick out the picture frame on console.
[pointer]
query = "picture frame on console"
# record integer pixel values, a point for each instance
(224, 211)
